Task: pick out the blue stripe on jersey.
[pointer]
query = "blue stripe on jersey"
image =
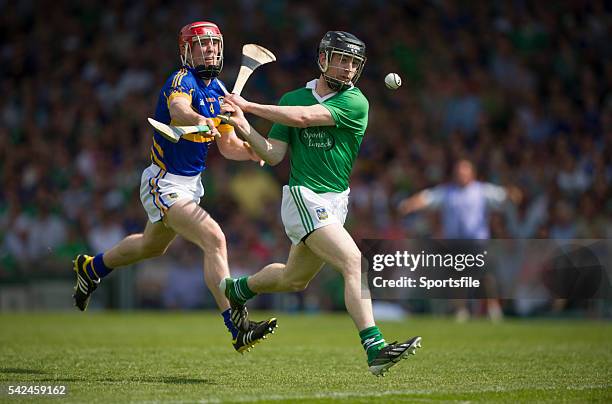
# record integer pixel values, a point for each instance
(186, 157)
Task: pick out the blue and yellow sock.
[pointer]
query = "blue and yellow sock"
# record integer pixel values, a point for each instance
(96, 269)
(227, 319)
(372, 341)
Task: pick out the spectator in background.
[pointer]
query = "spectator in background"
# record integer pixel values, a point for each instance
(183, 287)
(464, 207)
(464, 204)
(254, 189)
(108, 232)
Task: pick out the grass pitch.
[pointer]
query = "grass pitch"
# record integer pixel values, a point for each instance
(186, 358)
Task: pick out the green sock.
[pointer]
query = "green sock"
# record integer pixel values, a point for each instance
(240, 290)
(372, 341)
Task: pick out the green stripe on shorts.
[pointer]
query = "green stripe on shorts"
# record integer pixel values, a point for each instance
(301, 197)
(295, 200)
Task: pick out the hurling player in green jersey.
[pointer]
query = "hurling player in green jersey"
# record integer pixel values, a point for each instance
(322, 125)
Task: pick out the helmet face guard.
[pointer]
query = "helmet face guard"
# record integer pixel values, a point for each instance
(336, 83)
(347, 48)
(193, 40)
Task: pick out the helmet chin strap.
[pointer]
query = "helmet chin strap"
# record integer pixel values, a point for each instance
(335, 84)
(207, 73)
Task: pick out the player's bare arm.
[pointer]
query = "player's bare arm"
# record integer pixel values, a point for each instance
(272, 151)
(181, 111)
(288, 115)
(233, 148)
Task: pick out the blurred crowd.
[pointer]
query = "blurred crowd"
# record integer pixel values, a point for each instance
(522, 89)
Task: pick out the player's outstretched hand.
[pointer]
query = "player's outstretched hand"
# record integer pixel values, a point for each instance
(232, 108)
(237, 100)
(236, 119)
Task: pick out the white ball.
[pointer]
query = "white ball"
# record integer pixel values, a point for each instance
(393, 81)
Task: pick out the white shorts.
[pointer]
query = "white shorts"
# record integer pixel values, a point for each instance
(304, 211)
(159, 190)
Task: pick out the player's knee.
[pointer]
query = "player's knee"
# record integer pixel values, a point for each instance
(212, 238)
(351, 263)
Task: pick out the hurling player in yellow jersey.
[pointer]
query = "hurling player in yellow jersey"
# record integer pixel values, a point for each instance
(171, 187)
(323, 125)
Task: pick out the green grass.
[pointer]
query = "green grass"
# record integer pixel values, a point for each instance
(181, 358)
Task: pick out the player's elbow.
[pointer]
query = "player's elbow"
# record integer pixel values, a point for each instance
(304, 117)
(226, 150)
(315, 117)
(223, 150)
(302, 121)
(175, 108)
(225, 154)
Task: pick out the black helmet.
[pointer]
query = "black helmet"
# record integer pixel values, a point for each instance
(342, 43)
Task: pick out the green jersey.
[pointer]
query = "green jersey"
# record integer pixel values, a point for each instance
(322, 157)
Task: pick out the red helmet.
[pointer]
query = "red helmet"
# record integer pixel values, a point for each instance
(200, 32)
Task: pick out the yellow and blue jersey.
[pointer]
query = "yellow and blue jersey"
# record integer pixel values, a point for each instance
(188, 156)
